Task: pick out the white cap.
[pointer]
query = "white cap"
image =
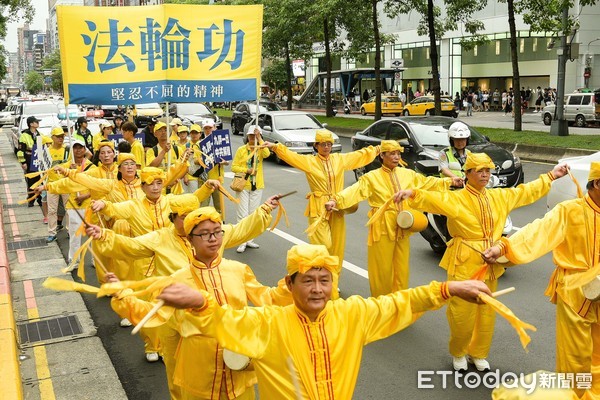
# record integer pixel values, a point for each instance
(77, 141)
(208, 122)
(175, 121)
(252, 128)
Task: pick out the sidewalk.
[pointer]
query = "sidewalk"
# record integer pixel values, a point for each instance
(48, 339)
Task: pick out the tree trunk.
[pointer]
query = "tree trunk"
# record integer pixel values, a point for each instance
(515, 66)
(288, 63)
(377, 62)
(328, 109)
(433, 55)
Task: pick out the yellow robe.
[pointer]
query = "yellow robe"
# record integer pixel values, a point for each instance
(325, 178)
(388, 245)
(66, 186)
(240, 164)
(477, 218)
(326, 353)
(572, 231)
(137, 149)
(199, 367)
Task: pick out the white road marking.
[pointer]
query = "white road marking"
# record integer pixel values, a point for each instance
(229, 175)
(346, 264)
(516, 228)
(292, 171)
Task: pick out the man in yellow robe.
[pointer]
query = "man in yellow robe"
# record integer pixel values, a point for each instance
(388, 245)
(325, 175)
(200, 371)
(571, 230)
(170, 251)
(311, 349)
(476, 217)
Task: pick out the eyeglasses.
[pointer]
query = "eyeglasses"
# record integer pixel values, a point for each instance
(326, 144)
(207, 236)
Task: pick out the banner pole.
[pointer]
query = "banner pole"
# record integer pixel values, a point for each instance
(169, 136)
(69, 131)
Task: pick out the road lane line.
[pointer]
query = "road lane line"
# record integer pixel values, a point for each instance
(291, 171)
(41, 358)
(346, 264)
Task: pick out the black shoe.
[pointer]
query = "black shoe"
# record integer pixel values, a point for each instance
(59, 227)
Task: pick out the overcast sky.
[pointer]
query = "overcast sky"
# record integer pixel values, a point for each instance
(38, 22)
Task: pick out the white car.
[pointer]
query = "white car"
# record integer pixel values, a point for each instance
(564, 189)
(6, 117)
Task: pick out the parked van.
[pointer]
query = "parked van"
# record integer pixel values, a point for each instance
(580, 109)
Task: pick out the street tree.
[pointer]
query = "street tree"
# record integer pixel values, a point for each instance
(52, 62)
(276, 74)
(12, 11)
(457, 16)
(34, 82)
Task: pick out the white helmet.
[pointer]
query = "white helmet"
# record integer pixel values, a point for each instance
(459, 130)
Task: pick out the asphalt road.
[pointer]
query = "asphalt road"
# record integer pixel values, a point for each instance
(390, 367)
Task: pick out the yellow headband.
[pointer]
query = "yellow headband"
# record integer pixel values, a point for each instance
(150, 174)
(391, 145)
(478, 161)
(594, 171)
(124, 157)
(199, 215)
(183, 203)
(108, 143)
(303, 257)
(323, 135)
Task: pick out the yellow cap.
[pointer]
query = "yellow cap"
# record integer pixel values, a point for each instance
(46, 140)
(594, 171)
(478, 161)
(184, 203)
(159, 125)
(183, 128)
(124, 157)
(57, 131)
(199, 215)
(323, 135)
(150, 174)
(391, 145)
(195, 127)
(303, 257)
(108, 143)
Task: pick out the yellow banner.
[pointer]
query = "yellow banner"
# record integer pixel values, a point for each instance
(171, 52)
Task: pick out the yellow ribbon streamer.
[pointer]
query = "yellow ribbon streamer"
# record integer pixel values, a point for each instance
(575, 281)
(79, 254)
(29, 199)
(379, 213)
(64, 285)
(228, 195)
(280, 212)
(579, 191)
(87, 218)
(312, 228)
(512, 319)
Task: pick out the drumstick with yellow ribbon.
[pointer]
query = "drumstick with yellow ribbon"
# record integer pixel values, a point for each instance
(282, 212)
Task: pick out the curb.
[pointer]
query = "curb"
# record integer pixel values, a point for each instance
(9, 361)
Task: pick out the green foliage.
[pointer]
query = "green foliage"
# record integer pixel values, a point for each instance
(52, 62)
(34, 82)
(276, 74)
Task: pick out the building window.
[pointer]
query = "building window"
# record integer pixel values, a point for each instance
(535, 44)
(497, 47)
(427, 53)
(475, 51)
(521, 45)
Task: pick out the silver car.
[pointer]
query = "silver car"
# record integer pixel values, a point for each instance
(295, 129)
(580, 109)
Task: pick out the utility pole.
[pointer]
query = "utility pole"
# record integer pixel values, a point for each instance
(559, 126)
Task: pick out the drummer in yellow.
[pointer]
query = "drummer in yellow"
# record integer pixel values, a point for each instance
(325, 175)
(311, 349)
(200, 371)
(476, 217)
(571, 230)
(388, 245)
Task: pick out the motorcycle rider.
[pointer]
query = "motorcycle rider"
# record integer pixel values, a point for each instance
(458, 135)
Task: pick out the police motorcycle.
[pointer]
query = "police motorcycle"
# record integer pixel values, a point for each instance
(436, 232)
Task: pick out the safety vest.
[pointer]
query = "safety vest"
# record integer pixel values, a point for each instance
(450, 156)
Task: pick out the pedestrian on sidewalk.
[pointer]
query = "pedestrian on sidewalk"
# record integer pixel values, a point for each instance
(27, 139)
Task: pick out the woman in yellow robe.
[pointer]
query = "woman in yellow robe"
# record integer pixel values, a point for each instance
(476, 217)
(571, 230)
(388, 245)
(325, 175)
(199, 367)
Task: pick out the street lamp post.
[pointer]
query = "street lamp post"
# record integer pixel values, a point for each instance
(559, 126)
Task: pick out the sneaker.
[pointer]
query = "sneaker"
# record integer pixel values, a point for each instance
(59, 227)
(241, 248)
(125, 323)
(480, 363)
(459, 363)
(152, 357)
(50, 238)
(45, 220)
(252, 245)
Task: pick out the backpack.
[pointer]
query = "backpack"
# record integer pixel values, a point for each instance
(175, 148)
